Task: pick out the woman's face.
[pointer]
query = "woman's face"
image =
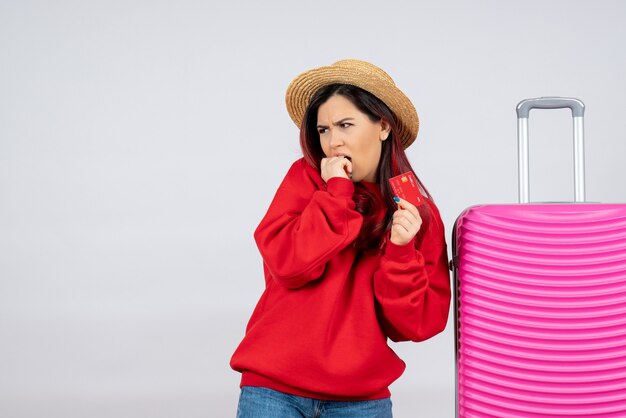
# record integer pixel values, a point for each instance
(346, 131)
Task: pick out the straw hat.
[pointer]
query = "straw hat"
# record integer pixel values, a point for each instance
(361, 74)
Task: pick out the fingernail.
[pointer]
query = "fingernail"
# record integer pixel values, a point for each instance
(397, 199)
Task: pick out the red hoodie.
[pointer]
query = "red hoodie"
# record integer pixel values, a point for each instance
(321, 326)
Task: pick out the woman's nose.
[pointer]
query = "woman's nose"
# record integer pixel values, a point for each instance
(336, 139)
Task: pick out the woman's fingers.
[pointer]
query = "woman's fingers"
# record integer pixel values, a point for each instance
(405, 204)
(335, 167)
(406, 222)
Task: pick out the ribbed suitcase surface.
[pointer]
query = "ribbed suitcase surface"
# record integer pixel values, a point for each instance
(541, 310)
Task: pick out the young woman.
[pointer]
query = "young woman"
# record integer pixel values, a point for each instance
(347, 264)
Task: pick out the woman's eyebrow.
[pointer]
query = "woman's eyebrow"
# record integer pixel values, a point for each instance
(339, 122)
(344, 120)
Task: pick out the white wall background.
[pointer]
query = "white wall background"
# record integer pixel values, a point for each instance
(142, 141)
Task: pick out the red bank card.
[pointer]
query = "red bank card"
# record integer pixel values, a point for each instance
(405, 187)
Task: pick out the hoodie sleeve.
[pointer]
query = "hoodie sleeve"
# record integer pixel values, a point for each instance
(306, 224)
(412, 285)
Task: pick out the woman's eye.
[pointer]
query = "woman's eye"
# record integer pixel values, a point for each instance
(345, 125)
(321, 130)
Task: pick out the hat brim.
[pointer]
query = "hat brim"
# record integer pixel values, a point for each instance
(361, 74)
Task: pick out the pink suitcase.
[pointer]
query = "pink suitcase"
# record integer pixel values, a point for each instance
(540, 300)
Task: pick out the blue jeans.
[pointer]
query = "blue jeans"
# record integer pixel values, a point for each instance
(257, 402)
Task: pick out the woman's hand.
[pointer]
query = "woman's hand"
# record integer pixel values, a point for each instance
(406, 222)
(336, 167)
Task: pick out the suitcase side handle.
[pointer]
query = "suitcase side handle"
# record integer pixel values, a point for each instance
(578, 112)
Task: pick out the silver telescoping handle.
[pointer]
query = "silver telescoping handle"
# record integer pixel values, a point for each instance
(578, 112)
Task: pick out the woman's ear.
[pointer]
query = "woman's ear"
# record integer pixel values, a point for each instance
(385, 129)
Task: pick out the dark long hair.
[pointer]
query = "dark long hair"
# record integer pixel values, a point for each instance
(393, 161)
